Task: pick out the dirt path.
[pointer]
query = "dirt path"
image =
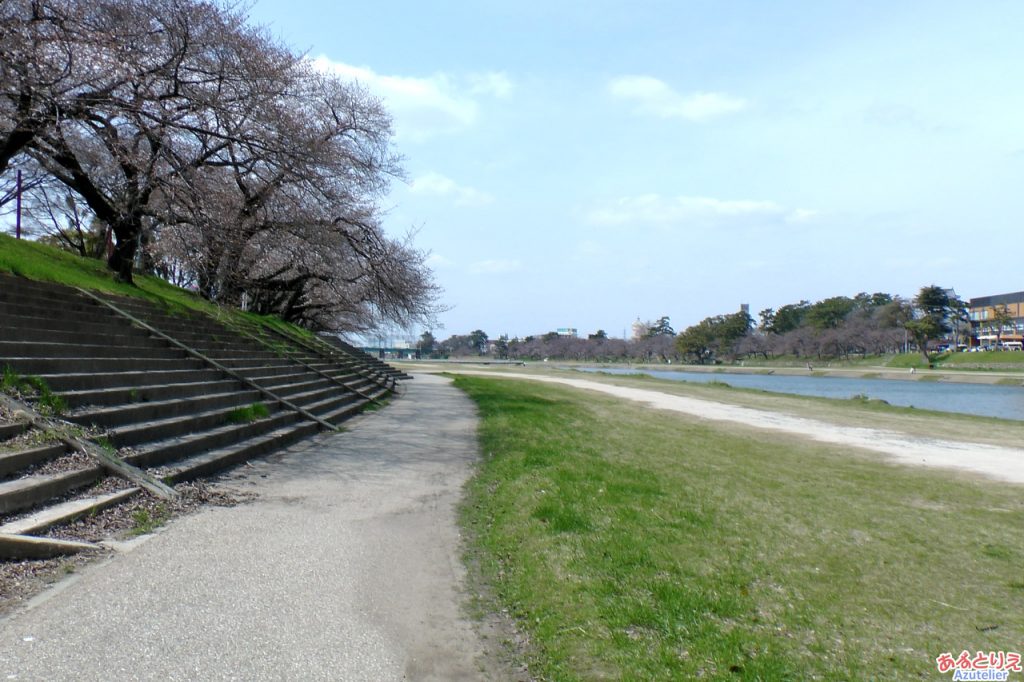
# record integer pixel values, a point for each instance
(1006, 464)
(345, 567)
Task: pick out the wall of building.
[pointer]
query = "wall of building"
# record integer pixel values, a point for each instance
(982, 312)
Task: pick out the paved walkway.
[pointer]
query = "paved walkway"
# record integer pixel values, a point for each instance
(346, 567)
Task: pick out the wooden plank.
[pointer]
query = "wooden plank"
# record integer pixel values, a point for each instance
(106, 459)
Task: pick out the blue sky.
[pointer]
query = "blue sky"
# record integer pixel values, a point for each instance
(587, 163)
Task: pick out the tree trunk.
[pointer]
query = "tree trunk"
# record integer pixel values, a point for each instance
(122, 258)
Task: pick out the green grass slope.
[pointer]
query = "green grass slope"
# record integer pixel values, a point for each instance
(37, 261)
(633, 544)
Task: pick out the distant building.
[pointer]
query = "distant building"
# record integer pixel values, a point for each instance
(983, 312)
(567, 331)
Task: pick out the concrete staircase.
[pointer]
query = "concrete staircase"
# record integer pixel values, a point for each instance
(354, 352)
(179, 395)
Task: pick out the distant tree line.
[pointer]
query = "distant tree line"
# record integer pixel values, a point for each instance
(173, 137)
(839, 327)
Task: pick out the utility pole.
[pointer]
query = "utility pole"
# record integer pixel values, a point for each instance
(17, 204)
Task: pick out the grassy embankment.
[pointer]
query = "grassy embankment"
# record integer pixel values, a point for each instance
(40, 262)
(636, 544)
(854, 411)
(984, 360)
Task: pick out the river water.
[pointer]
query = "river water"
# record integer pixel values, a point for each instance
(1005, 402)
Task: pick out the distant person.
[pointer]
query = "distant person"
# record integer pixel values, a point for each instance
(809, 368)
(913, 370)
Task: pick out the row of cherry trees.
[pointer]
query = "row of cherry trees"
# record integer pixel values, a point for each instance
(837, 327)
(211, 153)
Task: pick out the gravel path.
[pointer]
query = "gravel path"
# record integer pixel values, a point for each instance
(345, 567)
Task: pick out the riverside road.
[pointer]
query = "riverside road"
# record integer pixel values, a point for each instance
(344, 567)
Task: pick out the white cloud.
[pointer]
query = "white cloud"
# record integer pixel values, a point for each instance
(658, 210)
(492, 83)
(436, 261)
(655, 97)
(802, 215)
(427, 106)
(439, 185)
(495, 267)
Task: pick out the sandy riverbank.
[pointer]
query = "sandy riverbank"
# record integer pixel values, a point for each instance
(997, 462)
(989, 377)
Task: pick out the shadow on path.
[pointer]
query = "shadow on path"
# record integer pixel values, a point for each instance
(345, 567)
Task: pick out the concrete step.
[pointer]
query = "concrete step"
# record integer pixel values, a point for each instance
(137, 379)
(363, 383)
(52, 305)
(178, 425)
(36, 365)
(345, 375)
(170, 409)
(359, 354)
(343, 412)
(14, 461)
(43, 349)
(251, 337)
(12, 429)
(355, 383)
(147, 394)
(99, 326)
(327, 365)
(245, 362)
(178, 447)
(22, 547)
(310, 382)
(213, 461)
(49, 293)
(13, 284)
(378, 393)
(133, 413)
(26, 334)
(329, 404)
(65, 512)
(30, 491)
(273, 381)
(338, 370)
(78, 312)
(16, 291)
(231, 354)
(310, 400)
(264, 371)
(206, 343)
(175, 324)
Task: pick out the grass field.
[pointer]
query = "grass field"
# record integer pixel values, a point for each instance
(635, 544)
(986, 358)
(861, 413)
(44, 263)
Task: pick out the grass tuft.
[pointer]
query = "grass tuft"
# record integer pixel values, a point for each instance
(247, 414)
(145, 521)
(33, 388)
